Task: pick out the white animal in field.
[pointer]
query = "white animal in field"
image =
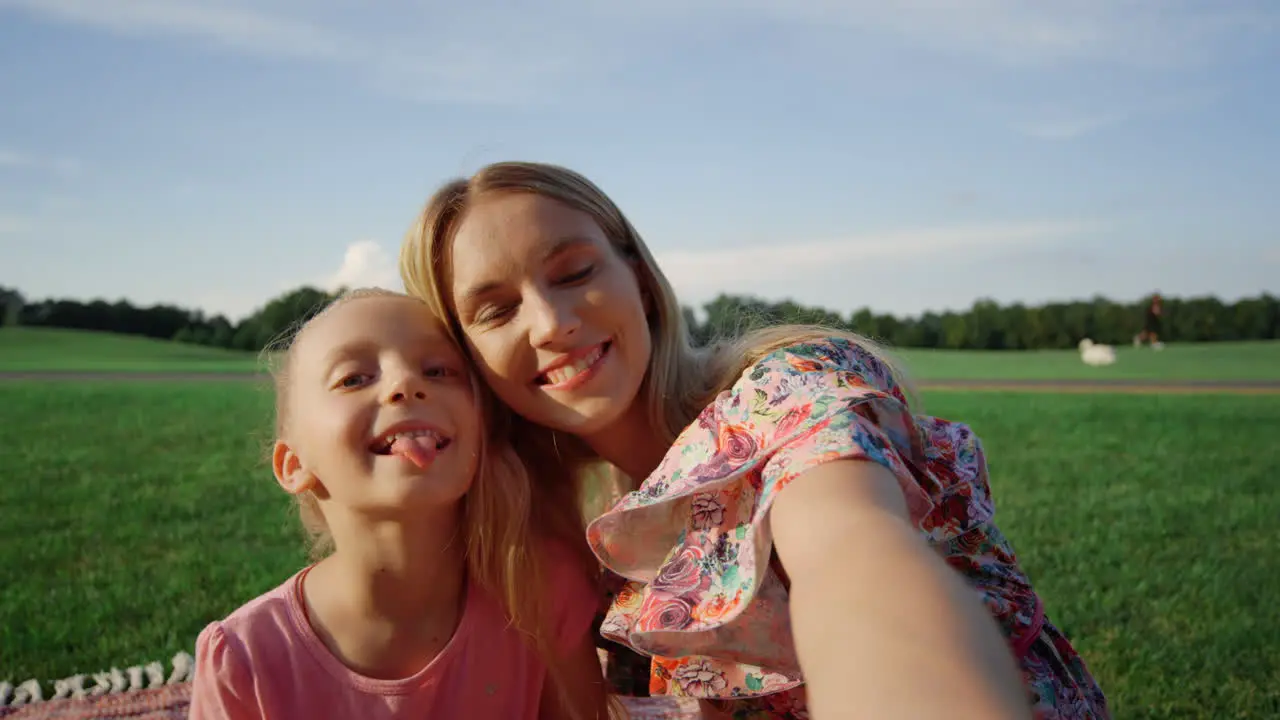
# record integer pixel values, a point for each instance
(1094, 354)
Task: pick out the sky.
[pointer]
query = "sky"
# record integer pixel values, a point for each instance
(906, 156)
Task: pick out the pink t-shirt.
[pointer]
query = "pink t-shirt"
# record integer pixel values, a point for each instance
(266, 661)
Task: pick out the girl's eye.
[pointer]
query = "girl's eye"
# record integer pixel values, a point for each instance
(439, 372)
(354, 380)
(578, 276)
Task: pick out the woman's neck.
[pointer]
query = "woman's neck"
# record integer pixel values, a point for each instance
(632, 444)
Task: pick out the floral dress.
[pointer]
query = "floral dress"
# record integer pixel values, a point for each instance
(706, 599)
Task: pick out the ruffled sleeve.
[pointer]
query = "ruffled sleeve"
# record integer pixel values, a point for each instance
(693, 540)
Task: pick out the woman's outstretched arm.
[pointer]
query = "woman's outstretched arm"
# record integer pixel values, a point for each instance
(883, 627)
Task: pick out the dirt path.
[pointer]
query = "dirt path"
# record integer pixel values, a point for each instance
(128, 376)
(1069, 386)
(1233, 387)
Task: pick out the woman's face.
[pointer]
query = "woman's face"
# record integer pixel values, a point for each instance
(553, 314)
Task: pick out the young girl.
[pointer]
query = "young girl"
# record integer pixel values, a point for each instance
(447, 588)
(799, 542)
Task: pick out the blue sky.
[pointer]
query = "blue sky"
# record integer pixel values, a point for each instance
(846, 153)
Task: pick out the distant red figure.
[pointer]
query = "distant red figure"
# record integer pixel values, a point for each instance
(1151, 323)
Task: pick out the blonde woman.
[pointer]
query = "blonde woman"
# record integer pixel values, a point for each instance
(796, 541)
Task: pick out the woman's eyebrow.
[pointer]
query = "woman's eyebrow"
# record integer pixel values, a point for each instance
(477, 292)
(565, 244)
(558, 247)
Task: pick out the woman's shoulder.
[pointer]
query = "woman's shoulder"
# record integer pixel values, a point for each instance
(796, 382)
(818, 358)
(695, 541)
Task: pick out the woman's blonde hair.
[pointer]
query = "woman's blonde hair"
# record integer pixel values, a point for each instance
(505, 517)
(681, 379)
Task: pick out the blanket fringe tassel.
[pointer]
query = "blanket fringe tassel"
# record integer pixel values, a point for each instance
(138, 677)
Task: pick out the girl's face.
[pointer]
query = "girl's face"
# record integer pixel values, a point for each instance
(373, 382)
(553, 313)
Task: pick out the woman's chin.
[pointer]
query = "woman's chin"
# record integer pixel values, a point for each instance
(584, 418)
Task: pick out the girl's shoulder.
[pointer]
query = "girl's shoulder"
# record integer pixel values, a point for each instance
(572, 587)
(236, 654)
(275, 608)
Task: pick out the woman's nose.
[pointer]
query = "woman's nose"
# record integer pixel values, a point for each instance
(553, 321)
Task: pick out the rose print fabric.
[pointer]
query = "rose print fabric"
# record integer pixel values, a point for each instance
(705, 598)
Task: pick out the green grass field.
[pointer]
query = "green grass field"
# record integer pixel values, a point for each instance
(1246, 361)
(133, 514)
(26, 349)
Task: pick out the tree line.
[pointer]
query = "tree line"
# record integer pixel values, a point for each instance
(987, 325)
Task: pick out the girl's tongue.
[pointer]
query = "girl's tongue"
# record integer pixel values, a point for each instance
(420, 450)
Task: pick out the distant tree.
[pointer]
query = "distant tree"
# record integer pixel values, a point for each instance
(280, 316)
(221, 332)
(985, 325)
(11, 304)
(245, 336)
(698, 334)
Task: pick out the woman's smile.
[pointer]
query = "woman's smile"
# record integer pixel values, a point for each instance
(575, 369)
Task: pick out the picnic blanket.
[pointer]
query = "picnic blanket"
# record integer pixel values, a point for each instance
(171, 702)
(146, 693)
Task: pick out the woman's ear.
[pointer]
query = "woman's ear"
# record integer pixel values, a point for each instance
(289, 470)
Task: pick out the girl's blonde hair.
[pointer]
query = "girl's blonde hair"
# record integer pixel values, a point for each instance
(507, 513)
(681, 379)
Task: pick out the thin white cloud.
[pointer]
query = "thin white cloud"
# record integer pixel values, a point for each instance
(13, 225)
(488, 51)
(1152, 33)
(455, 53)
(1069, 128)
(1062, 118)
(787, 266)
(222, 22)
(366, 263)
(14, 160)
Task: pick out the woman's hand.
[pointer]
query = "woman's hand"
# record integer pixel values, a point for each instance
(883, 627)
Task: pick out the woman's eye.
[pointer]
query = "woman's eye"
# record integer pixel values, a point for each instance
(493, 314)
(577, 276)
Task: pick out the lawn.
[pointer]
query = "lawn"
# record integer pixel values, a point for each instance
(26, 349)
(133, 514)
(1245, 361)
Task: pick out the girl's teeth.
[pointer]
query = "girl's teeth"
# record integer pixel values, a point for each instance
(567, 373)
(391, 439)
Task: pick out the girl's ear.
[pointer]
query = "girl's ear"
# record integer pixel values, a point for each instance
(289, 471)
